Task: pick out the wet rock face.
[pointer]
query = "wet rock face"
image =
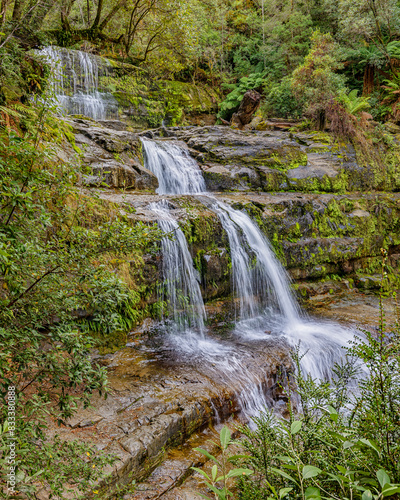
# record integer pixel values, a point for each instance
(314, 235)
(113, 156)
(159, 395)
(234, 160)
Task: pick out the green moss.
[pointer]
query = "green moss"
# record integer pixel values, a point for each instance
(151, 102)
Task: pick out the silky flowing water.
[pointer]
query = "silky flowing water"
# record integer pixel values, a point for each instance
(75, 83)
(181, 288)
(266, 306)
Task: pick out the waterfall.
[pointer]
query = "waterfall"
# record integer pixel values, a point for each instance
(181, 280)
(177, 172)
(253, 282)
(75, 83)
(267, 308)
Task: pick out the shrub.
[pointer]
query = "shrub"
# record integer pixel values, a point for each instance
(335, 445)
(315, 81)
(281, 101)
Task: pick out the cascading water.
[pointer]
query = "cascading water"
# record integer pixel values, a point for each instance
(267, 308)
(177, 172)
(264, 284)
(182, 290)
(75, 83)
(254, 282)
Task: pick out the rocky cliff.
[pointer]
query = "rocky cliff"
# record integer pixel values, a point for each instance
(326, 207)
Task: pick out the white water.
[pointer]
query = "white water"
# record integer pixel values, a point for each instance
(266, 305)
(181, 280)
(75, 83)
(255, 282)
(177, 172)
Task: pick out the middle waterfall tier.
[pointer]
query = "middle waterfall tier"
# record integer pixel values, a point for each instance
(261, 290)
(181, 290)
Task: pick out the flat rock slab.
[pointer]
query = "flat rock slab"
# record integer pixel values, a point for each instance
(161, 392)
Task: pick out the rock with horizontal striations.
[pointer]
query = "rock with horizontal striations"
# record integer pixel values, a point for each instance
(113, 156)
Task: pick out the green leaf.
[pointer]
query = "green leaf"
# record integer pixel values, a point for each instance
(219, 493)
(312, 492)
(239, 472)
(310, 471)
(383, 478)
(367, 495)
(333, 414)
(283, 474)
(348, 444)
(284, 491)
(371, 444)
(206, 476)
(390, 489)
(225, 437)
(207, 454)
(295, 427)
(214, 472)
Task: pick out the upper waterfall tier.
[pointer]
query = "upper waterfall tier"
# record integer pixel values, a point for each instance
(75, 83)
(176, 170)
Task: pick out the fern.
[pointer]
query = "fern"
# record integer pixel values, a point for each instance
(355, 105)
(393, 49)
(234, 98)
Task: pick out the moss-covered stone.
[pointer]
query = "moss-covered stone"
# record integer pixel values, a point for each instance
(146, 103)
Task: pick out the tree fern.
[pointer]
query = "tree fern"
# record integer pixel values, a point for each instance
(355, 105)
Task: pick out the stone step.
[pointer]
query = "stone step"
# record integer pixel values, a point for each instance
(174, 479)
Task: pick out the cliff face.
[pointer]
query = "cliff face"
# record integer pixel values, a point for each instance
(326, 207)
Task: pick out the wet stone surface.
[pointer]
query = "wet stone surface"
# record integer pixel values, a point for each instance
(161, 392)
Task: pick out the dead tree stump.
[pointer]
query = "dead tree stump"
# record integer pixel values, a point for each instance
(250, 102)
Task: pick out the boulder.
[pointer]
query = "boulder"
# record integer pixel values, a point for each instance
(248, 106)
(112, 154)
(231, 178)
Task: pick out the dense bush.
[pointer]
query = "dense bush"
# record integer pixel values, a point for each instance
(281, 102)
(57, 287)
(333, 445)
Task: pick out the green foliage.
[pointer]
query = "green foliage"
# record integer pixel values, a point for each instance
(316, 81)
(341, 444)
(355, 105)
(234, 98)
(218, 482)
(55, 464)
(56, 287)
(281, 102)
(393, 49)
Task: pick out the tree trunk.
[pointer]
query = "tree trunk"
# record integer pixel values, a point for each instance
(98, 15)
(3, 12)
(369, 77)
(250, 102)
(18, 6)
(321, 119)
